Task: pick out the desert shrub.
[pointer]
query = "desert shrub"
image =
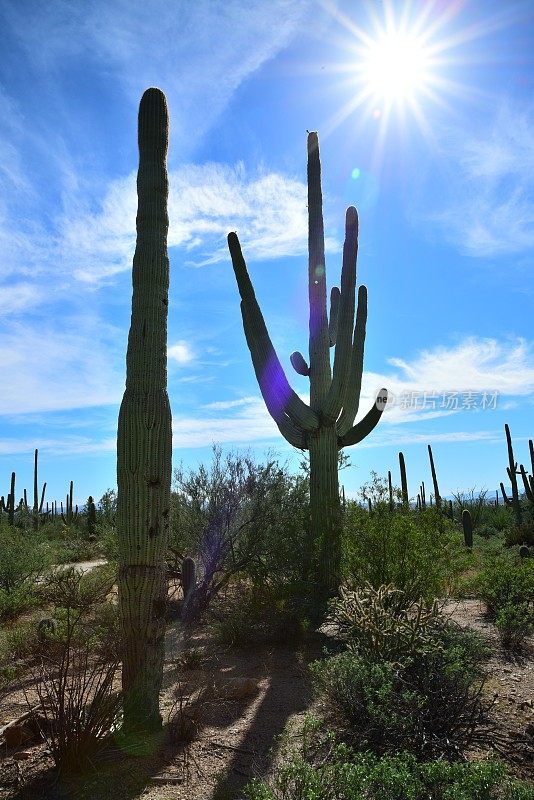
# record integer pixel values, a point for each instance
(239, 518)
(515, 623)
(474, 501)
(500, 517)
(79, 663)
(417, 553)
(520, 534)
(22, 558)
(259, 616)
(505, 582)
(487, 531)
(347, 775)
(80, 705)
(428, 701)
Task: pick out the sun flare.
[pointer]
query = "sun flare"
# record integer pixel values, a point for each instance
(395, 67)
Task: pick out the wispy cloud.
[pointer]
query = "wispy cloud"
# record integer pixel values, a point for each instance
(490, 210)
(268, 210)
(180, 352)
(59, 366)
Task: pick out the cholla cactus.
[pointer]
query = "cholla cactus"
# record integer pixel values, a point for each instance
(380, 623)
(327, 424)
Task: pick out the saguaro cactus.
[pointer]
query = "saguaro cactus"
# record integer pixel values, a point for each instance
(327, 423)
(144, 439)
(437, 495)
(404, 482)
(512, 471)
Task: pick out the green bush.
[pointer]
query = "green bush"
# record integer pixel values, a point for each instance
(515, 623)
(260, 616)
(520, 534)
(362, 776)
(429, 703)
(418, 553)
(504, 582)
(23, 557)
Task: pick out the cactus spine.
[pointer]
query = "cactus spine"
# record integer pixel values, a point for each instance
(327, 423)
(512, 471)
(144, 437)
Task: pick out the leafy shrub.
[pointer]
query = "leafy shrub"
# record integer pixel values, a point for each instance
(260, 616)
(499, 517)
(515, 623)
(239, 518)
(487, 531)
(520, 534)
(505, 583)
(22, 558)
(416, 553)
(347, 775)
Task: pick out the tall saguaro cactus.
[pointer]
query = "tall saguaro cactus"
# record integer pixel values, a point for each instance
(144, 439)
(327, 423)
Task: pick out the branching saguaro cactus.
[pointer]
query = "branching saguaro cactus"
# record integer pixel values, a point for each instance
(512, 471)
(144, 439)
(327, 423)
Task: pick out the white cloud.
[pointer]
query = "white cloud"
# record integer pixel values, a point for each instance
(18, 297)
(180, 352)
(491, 203)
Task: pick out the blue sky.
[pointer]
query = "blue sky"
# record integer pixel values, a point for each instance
(443, 177)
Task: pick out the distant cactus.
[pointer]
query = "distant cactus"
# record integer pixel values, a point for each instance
(467, 525)
(46, 627)
(70, 515)
(38, 515)
(404, 482)
(528, 480)
(512, 471)
(390, 488)
(91, 516)
(437, 495)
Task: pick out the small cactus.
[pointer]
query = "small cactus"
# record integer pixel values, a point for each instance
(524, 551)
(189, 576)
(467, 525)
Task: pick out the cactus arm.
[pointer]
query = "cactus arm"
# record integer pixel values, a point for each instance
(352, 398)
(299, 363)
(404, 481)
(528, 483)
(505, 497)
(287, 427)
(278, 394)
(341, 374)
(364, 427)
(319, 347)
(434, 479)
(335, 294)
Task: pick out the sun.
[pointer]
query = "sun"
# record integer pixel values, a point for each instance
(396, 67)
(399, 63)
